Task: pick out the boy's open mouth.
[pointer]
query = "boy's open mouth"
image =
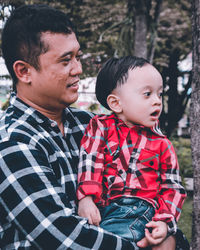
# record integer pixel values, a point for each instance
(155, 113)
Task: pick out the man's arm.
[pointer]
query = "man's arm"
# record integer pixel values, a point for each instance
(38, 208)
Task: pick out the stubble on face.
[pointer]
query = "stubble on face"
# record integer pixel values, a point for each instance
(55, 85)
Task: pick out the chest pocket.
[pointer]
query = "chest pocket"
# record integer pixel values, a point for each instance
(149, 159)
(144, 170)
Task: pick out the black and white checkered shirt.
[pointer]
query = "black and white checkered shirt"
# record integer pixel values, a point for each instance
(38, 174)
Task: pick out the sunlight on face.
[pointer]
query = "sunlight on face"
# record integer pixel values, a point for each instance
(55, 85)
(141, 96)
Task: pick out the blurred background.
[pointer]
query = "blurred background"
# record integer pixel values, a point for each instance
(159, 30)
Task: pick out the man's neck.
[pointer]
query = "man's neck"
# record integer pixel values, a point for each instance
(55, 114)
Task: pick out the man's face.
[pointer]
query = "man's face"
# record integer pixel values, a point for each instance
(55, 85)
(141, 96)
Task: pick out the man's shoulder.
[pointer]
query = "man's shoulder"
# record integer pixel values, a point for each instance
(16, 125)
(81, 115)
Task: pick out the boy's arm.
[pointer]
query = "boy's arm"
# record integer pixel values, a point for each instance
(88, 209)
(171, 193)
(91, 163)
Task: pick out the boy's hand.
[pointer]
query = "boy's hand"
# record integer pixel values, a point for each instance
(158, 233)
(156, 236)
(88, 209)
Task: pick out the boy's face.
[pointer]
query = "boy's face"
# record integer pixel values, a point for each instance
(141, 96)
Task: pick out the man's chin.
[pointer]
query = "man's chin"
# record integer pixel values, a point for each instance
(72, 101)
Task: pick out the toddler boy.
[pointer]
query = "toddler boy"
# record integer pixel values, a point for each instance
(128, 176)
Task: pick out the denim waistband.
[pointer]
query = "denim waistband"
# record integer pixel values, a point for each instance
(131, 201)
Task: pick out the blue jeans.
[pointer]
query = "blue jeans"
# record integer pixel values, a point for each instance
(127, 217)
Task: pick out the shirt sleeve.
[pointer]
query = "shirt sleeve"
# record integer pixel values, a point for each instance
(171, 193)
(90, 168)
(33, 201)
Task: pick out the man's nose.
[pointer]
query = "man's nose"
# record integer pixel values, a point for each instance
(76, 67)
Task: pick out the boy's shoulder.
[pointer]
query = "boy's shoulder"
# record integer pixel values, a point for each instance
(101, 122)
(103, 118)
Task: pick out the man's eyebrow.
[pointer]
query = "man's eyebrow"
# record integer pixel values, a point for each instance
(65, 54)
(68, 53)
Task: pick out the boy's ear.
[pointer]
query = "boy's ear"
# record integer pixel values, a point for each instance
(22, 71)
(114, 103)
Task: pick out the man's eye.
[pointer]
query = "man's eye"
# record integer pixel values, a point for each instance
(66, 59)
(161, 94)
(78, 57)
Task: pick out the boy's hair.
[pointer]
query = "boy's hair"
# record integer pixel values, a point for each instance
(21, 37)
(113, 74)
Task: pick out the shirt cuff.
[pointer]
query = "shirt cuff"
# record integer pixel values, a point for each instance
(172, 228)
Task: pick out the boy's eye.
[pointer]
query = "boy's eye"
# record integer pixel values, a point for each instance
(161, 94)
(148, 93)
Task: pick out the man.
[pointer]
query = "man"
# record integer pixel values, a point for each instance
(40, 137)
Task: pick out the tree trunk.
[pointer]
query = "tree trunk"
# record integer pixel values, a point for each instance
(173, 98)
(154, 28)
(138, 9)
(140, 44)
(195, 123)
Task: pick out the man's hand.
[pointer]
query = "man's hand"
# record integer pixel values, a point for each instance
(88, 209)
(158, 234)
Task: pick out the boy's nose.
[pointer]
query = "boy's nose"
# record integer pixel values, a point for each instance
(157, 100)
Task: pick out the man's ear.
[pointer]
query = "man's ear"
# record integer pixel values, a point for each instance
(22, 71)
(114, 103)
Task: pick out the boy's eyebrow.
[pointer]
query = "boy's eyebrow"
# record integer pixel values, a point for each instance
(149, 87)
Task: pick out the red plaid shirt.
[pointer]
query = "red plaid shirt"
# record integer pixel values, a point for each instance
(118, 161)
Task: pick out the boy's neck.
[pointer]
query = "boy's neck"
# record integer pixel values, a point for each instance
(129, 124)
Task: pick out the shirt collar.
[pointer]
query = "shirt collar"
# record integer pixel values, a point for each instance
(155, 129)
(21, 108)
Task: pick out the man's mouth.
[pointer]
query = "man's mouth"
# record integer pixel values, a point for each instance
(74, 84)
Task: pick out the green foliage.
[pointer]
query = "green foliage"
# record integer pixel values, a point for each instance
(93, 107)
(5, 105)
(183, 150)
(106, 28)
(185, 221)
(174, 31)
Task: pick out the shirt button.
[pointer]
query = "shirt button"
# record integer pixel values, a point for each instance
(151, 163)
(134, 207)
(53, 124)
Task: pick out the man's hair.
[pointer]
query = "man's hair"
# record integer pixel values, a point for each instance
(21, 37)
(113, 74)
